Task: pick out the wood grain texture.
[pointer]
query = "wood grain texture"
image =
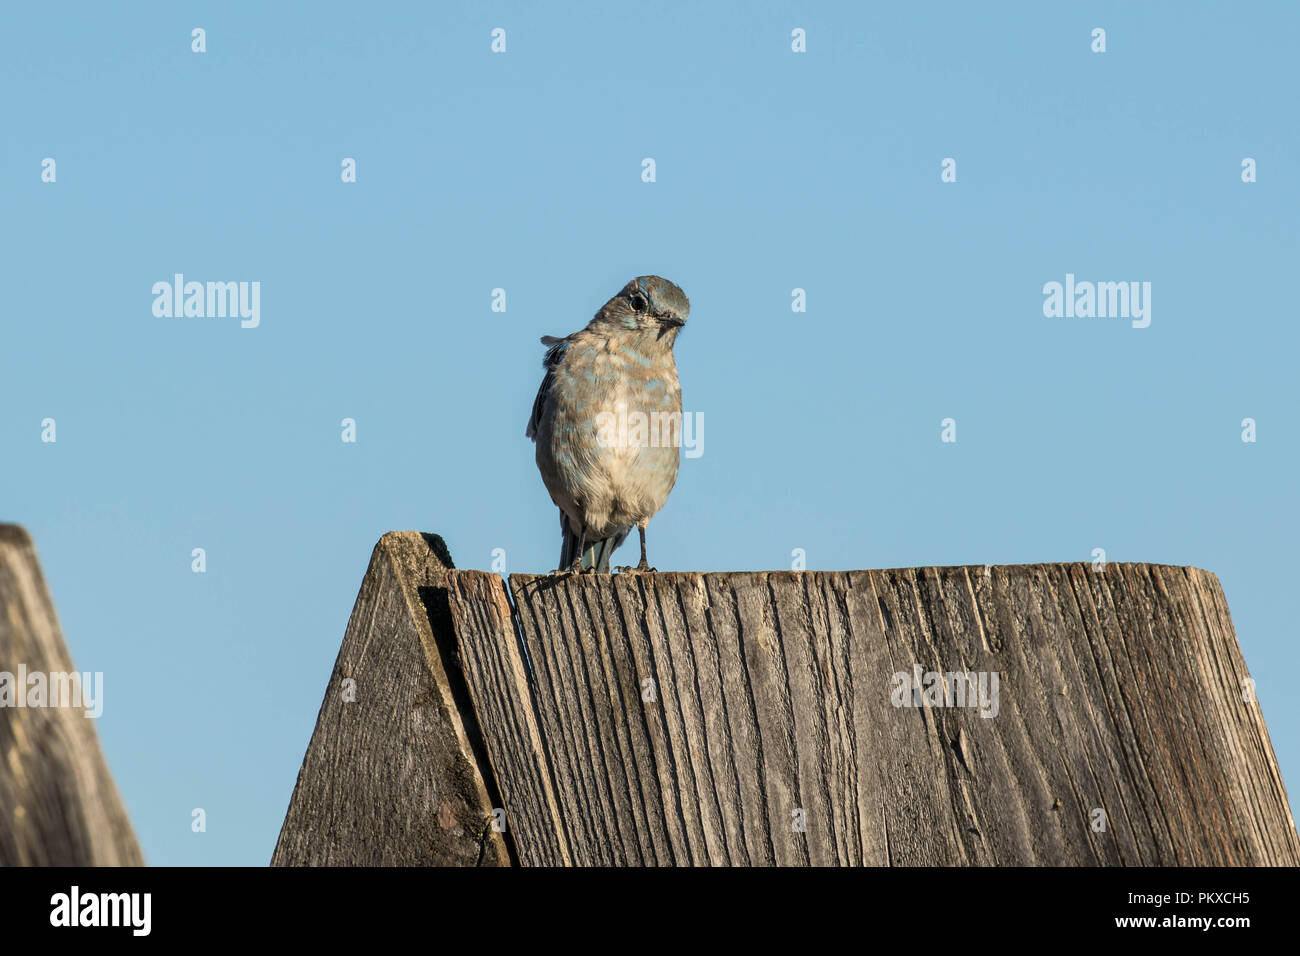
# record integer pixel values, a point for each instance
(701, 718)
(58, 803)
(497, 678)
(396, 775)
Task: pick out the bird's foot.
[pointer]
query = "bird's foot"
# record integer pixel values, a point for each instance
(642, 568)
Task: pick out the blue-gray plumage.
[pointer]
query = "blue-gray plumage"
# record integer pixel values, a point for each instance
(605, 472)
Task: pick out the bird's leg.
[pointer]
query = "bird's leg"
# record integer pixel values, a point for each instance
(576, 566)
(643, 565)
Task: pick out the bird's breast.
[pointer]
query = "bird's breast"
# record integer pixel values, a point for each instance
(613, 431)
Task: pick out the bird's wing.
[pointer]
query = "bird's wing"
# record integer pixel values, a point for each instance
(554, 355)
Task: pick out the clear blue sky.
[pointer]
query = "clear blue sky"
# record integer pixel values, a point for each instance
(523, 171)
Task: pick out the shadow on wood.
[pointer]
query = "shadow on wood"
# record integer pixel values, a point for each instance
(58, 803)
(1031, 715)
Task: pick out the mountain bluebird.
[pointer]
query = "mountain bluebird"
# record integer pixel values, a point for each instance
(607, 421)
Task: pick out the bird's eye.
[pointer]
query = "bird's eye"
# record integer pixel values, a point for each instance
(638, 302)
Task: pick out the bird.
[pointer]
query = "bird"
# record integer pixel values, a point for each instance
(607, 422)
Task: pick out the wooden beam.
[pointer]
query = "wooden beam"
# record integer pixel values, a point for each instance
(58, 803)
(393, 775)
(751, 719)
(763, 719)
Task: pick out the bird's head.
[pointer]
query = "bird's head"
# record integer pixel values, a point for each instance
(647, 304)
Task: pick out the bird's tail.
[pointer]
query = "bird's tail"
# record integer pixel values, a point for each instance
(595, 554)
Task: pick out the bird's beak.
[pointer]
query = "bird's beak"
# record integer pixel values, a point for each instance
(670, 321)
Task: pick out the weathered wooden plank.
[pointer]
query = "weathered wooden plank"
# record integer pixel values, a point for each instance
(769, 734)
(1035, 712)
(1109, 726)
(975, 751)
(756, 719)
(733, 743)
(920, 828)
(58, 803)
(1235, 726)
(396, 773)
(497, 679)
